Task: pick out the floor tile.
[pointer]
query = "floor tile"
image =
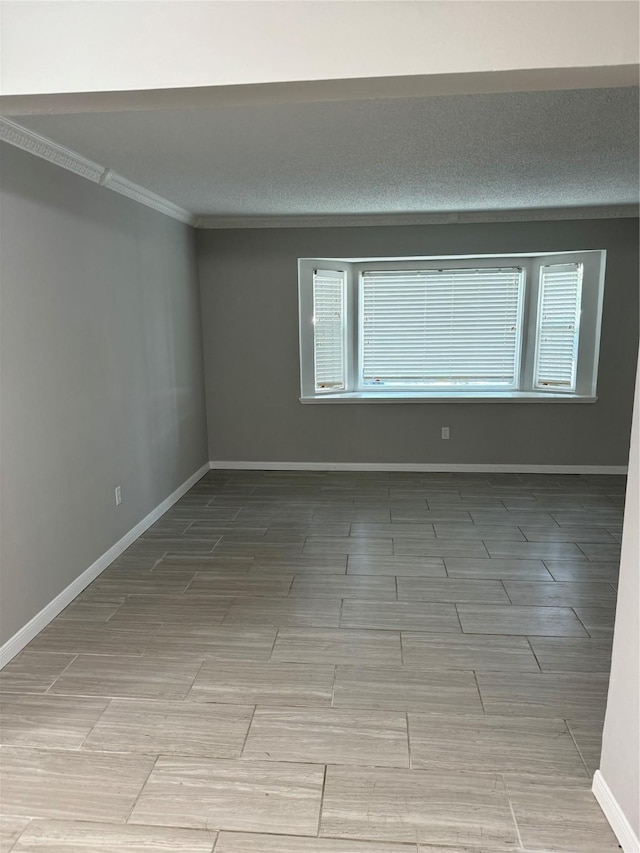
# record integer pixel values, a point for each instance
(217, 794)
(560, 654)
(530, 517)
(334, 564)
(422, 515)
(452, 590)
(345, 586)
(340, 645)
(414, 805)
(440, 548)
(399, 566)
(182, 544)
(118, 676)
(92, 606)
(597, 551)
(243, 842)
(528, 621)
(567, 570)
(71, 637)
(493, 744)
(295, 610)
(528, 694)
(533, 570)
(71, 785)
(289, 684)
(396, 528)
(566, 534)
(328, 736)
(70, 836)
(348, 545)
(60, 722)
(594, 518)
(406, 690)
(209, 564)
(400, 616)
(467, 651)
(507, 532)
(560, 815)
(33, 672)
(598, 621)
(560, 593)
(220, 642)
(245, 585)
(534, 550)
(146, 582)
(171, 608)
(171, 728)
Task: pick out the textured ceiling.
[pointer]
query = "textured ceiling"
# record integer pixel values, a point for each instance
(462, 153)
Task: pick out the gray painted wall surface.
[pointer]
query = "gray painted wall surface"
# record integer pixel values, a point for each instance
(620, 761)
(102, 379)
(250, 313)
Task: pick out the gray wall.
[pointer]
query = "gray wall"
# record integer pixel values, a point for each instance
(250, 313)
(102, 379)
(620, 761)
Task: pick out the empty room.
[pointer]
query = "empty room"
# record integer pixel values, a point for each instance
(320, 517)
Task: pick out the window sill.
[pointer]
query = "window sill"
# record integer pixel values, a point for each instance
(448, 397)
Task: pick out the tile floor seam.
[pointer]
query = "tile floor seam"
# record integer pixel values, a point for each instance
(324, 785)
(46, 692)
(462, 631)
(142, 787)
(406, 714)
(513, 817)
(475, 678)
(533, 652)
(575, 743)
(246, 737)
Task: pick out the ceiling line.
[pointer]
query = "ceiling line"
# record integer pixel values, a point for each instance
(40, 146)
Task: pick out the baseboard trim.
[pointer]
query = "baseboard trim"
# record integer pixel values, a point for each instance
(20, 639)
(434, 467)
(621, 827)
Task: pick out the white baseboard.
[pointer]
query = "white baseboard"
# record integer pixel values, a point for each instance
(20, 639)
(433, 467)
(621, 827)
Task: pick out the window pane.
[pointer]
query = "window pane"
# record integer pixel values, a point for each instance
(329, 330)
(441, 327)
(558, 326)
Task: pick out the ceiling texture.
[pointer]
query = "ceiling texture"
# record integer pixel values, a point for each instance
(487, 152)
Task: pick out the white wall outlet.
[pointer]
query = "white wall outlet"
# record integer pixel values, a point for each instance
(118, 495)
(445, 432)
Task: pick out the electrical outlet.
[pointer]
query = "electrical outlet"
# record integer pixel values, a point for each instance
(445, 432)
(118, 495)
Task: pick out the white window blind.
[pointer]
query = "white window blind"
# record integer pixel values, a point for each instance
(558, 326)
(329, 330)
(457, 327)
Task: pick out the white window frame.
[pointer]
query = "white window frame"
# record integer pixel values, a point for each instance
(593, 262)
(361, 386)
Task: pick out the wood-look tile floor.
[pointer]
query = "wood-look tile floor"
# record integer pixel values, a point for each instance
(328, 663)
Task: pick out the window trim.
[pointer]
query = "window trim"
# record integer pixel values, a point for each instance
(361, 387)
(593, 261)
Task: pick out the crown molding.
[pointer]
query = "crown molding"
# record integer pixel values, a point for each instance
(40, 146)
(622, 211)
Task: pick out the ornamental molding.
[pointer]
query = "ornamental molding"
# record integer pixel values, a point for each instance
(60, 155)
